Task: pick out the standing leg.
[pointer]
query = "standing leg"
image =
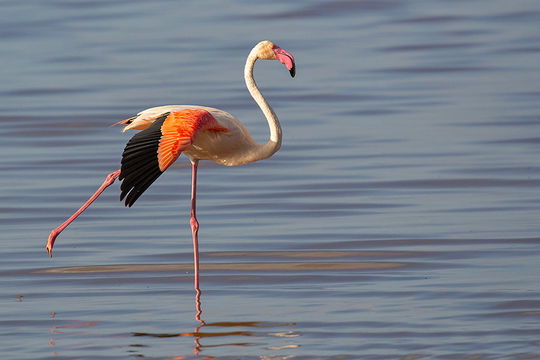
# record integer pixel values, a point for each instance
(193, 221)
(55, 232)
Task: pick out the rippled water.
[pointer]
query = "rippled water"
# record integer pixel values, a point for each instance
(400, 219)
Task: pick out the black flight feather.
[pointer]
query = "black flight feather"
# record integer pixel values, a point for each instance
(140, 166)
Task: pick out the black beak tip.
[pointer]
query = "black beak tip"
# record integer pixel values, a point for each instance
(292, 71)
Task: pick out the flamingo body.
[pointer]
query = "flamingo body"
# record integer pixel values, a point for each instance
(150, 152)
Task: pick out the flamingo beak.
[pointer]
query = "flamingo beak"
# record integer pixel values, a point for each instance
(286, 59)
(125, 122)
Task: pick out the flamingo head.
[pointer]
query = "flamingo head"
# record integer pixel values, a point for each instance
(141, 121)
(126, 122)
(267, 50)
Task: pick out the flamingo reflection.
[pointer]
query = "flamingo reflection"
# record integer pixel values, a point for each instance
(198, 314)
(199, 333)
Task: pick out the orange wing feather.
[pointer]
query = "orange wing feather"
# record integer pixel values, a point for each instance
(178, 132)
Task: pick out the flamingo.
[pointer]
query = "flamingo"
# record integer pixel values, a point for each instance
(201, 133)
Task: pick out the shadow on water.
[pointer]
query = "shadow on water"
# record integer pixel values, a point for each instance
(297, 266)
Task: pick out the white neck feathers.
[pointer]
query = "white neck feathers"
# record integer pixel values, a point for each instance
(274, 143)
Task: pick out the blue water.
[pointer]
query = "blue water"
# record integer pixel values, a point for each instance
(398, 221)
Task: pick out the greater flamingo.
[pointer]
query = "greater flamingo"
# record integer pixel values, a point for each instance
(202, 133)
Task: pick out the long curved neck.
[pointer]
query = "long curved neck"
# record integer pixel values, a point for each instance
(274, 143)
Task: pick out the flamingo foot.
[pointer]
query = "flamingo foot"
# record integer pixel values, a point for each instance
(50, 241)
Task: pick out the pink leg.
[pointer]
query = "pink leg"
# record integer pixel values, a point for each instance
(193, 221)
(55, 232)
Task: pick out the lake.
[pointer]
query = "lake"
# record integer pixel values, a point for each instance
(399, 220)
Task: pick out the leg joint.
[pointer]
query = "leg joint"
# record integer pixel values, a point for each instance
(194, 223)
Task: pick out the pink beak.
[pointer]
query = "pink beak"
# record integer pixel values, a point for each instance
(286, 59)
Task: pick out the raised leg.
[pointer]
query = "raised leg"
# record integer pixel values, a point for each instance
(193, 221)
(55, 232)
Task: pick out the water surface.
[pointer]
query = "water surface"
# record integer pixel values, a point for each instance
(398, 221)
